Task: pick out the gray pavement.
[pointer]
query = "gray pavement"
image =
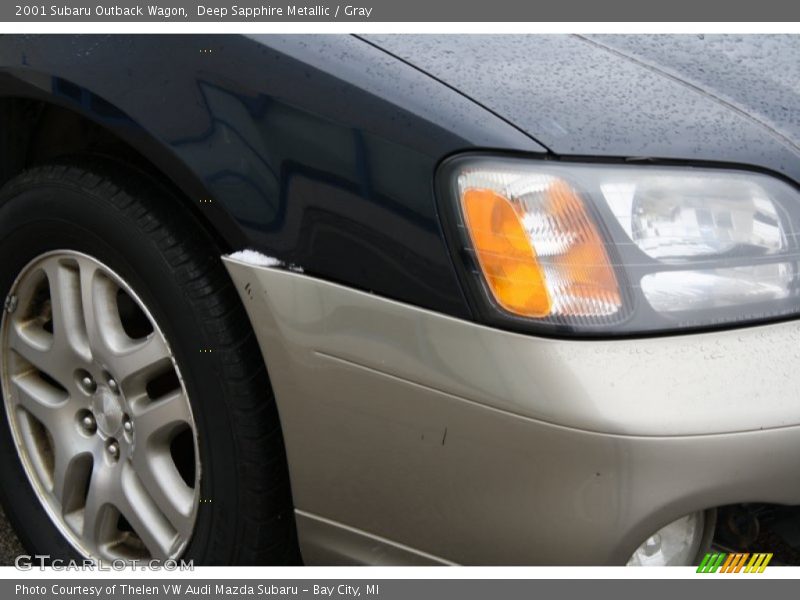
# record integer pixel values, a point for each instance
(10, 547)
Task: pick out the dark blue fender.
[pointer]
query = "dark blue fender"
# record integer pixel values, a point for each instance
(320, 151)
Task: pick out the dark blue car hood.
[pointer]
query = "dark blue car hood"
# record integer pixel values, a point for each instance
(712, 98)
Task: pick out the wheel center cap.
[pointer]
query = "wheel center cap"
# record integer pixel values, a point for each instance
(108, 412)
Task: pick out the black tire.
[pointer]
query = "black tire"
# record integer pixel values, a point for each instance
(138, 227)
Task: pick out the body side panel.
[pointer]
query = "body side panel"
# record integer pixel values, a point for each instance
(487, 447)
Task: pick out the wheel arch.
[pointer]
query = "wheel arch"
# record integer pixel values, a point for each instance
(36, 129)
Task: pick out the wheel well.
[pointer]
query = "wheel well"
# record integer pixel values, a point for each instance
(34, 132)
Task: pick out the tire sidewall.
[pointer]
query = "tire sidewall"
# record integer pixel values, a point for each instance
(47, 217)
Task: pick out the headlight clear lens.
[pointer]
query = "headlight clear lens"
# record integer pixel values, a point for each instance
(627, 249)
(687, 216)
(705, 289)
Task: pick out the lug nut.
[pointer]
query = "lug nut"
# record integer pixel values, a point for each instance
(127, 425)
(89, 423)
(88, 384)
(113, 450)
(113, 385)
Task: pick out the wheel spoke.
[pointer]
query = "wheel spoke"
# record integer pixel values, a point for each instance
(73, 461)
(99, 526)
(156, 425)
(100, 311)
(157, 420)
(35, 347)
(42, 400)
(144, 515)
(69, 329)
(139, 361)
(54, 353)
(160, 477)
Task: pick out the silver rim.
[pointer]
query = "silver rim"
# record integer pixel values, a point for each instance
(98, 410)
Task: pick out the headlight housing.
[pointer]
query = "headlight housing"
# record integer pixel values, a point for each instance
(591, 249)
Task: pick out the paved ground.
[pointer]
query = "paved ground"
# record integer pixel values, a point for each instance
(9, 546)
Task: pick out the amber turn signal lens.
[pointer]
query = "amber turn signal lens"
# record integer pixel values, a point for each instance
(505, 254)
(540, 252)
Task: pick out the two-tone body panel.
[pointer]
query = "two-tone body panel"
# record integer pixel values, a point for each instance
(416, 434)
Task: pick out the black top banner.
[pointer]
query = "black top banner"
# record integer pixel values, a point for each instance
(398, 11)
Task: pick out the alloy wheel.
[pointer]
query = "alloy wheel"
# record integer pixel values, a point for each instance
(99, 412)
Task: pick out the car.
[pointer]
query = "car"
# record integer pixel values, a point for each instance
(399, 299)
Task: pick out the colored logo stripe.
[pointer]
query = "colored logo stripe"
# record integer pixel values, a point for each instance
(734, 563)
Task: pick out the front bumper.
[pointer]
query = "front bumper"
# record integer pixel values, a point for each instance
(413, 437)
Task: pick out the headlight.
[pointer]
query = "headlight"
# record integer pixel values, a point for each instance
(593, 249)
